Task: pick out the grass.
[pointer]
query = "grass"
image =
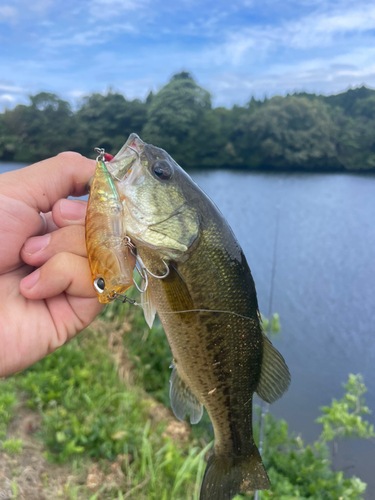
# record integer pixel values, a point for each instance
(12, 446)
(93, 416)
(8, 402)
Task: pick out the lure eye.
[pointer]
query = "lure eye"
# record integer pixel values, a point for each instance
(162, 170)
(99, 285)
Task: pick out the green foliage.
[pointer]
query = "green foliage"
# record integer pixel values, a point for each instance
(297, 132)
(176, 117)
(356, 140)
(271, 326)
(88, 411)
(300, 471)
(290, 132)
(85, 408)
(344, 417)
(45, 128)
(167, 473)
(106, 121)
(12, 446)
(8, 400)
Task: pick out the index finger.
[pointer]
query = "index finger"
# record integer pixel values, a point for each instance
(43, 183)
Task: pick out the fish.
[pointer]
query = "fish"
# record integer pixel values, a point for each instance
(208, 307)
(110, 265)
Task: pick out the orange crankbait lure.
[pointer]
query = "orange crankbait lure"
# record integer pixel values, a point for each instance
(111, 271)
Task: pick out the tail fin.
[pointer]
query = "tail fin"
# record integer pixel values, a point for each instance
(227, 476)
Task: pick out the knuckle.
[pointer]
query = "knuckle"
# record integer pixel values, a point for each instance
(63, 260)
(75, 231)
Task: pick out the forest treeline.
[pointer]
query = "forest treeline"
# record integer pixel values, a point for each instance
(296, 132)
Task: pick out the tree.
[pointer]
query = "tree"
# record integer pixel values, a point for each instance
(288, 133)
(176, 118)
(356, 144)
(43, 129)
(107, 120)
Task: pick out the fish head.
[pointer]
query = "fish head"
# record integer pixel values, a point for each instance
(160, 200)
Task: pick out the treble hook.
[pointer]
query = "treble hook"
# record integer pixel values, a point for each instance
(144, 281)
(140, 266)
(123, 298)
(155, 275)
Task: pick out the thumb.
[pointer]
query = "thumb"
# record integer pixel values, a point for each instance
(44, 183)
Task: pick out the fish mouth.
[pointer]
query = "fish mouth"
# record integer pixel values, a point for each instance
(121, 165)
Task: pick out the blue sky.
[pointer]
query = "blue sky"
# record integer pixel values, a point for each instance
(234, 49)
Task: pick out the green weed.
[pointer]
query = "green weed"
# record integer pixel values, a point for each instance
(12, 446)
(8, 400)
(85, 408)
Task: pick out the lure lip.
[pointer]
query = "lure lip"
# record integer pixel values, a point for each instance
(121, 165)
(134, 142)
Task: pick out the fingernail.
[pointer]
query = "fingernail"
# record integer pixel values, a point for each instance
(36, 244)
(72, 210)
(31, 279)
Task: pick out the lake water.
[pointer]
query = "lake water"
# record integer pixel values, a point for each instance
(316, 235)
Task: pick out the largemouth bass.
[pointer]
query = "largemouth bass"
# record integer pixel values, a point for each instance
(108, 257)
(208, 307)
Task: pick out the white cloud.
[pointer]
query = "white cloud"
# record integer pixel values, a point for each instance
(106, 9)
(318, 30)
(8, 14)
(85, 38)
(6, 86)
(7, 99)
(316, 75)
(76, 94)
(39, 6)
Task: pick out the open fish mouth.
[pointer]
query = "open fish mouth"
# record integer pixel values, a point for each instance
(121, 165)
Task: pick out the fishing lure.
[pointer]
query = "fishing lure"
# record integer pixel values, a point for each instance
(111, 269)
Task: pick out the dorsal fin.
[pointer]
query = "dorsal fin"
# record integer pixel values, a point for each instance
(182, 399)
(275, 376)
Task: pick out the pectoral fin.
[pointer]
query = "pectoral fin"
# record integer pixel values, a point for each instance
(177, 292)
(182, 399)
(275, 376)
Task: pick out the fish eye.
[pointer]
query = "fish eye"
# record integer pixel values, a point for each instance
(99, 285)
(162, 170)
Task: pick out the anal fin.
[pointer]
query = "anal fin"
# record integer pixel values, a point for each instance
(275, 376)
(182, 399)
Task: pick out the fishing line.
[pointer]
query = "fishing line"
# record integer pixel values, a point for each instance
(265, 406)
(204, 310)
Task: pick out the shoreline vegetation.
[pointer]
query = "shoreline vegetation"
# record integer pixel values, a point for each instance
(301, 132)
(92, 421)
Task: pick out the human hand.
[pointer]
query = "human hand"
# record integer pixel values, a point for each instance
(40, 310)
